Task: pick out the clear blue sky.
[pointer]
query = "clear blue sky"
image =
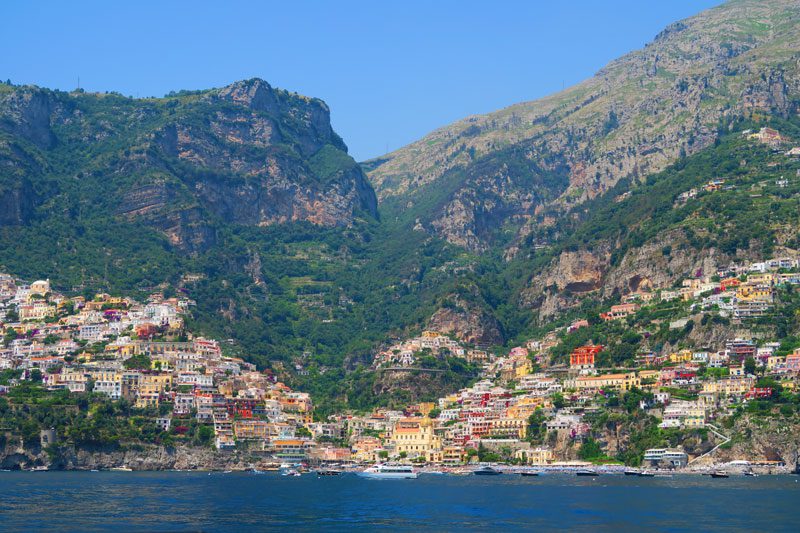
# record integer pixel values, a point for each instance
(391, 71)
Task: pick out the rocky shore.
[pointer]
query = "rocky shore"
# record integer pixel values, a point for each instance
(138, 457)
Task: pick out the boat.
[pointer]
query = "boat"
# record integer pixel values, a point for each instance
(632, 472)
(389, 472)
(121, 469)
(291, 472)
(587, 473)
(647, 473)
(719, 473)
(487, 471)
(39, 469)
(529, 474)
(750, 473)
(328, 472)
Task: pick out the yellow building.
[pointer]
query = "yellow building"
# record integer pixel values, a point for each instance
(534, 456)
(526, 406)
(454, 455)
(250, 429)
(515, 428)
(415, 437)
(523, 367)
(729, 386)
(365, 449)
(754, 292)
(683, 356)
(155, 382)
(147, 399)
(619, 382)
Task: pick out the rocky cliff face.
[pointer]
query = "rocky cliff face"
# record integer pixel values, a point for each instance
(469, 324)
(143, 457)
(634, 117)
(244, 154)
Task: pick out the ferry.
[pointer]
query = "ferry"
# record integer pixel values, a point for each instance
(389, 472)
(328, 472)
(487, 471)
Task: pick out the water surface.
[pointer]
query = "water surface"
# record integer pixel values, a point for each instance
(183, 501)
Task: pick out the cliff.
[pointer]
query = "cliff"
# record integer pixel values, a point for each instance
(184, 165)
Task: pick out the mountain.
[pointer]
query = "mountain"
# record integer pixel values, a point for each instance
(519, 168)
(242, 197)
(494, 230)
(181, 165)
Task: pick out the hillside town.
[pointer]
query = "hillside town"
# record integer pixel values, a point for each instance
(526, 407)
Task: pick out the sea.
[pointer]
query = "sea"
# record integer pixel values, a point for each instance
(202, 501)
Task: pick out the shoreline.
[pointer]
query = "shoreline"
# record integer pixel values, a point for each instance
(733, 470)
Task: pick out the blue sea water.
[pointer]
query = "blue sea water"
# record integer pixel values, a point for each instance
(184, 501)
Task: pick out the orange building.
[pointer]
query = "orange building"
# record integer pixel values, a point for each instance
(583, 357)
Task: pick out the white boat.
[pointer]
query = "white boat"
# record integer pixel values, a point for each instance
(389, 472)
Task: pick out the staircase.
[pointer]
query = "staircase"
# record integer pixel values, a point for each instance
(718, 433)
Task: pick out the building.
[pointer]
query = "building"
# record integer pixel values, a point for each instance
(620, 311)
(583, 358)
(416, 438)
(684, 414)
(666, 458)
(618, 382)
(534, 456)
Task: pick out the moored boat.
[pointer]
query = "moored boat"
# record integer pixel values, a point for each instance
(328, 472)
(529, 474)
(632, 472)
(647, 473)
(587, 473)
(719, 473)
(385, 471)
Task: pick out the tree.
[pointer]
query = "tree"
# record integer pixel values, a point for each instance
(590, 450)
(205, 434)
(536, 426)
(558, 400)
(140, 361)
(750, 366)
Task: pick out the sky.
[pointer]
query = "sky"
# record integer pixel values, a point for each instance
(391, 71)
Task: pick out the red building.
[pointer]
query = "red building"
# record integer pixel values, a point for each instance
(583, 357)
(757, 393)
